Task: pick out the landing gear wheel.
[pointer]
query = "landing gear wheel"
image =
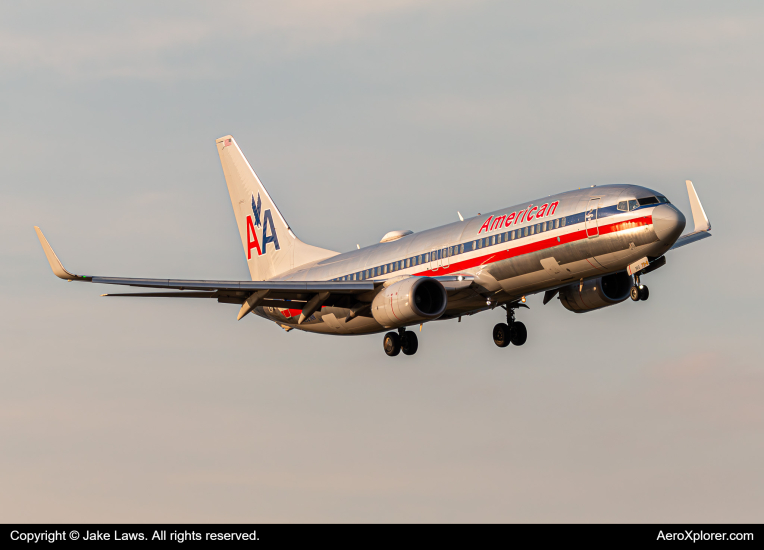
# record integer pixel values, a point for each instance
(392, 344)
(518, 333)
(635, 293)
(501, 335)
(644, 293)
(409, 343)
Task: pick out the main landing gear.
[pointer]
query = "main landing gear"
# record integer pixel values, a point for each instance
(639, 291)
(405, 341)
(511, 332)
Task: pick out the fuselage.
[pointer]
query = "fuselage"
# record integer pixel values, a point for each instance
(508, 253)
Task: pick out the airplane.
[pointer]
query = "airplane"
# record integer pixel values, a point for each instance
(588, 247)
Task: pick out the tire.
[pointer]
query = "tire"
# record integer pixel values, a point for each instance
(392, 344)
(518, 333)
(409, 343)
(501, 335)
(644, 293)
(634, 293)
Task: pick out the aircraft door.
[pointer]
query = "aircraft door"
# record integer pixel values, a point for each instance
(435, 259)
(590, 217)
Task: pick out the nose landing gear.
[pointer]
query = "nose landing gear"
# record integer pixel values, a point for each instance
(405, 341)
(511, 332)
(639, 291)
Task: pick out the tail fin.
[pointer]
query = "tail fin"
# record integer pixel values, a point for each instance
(270, 246)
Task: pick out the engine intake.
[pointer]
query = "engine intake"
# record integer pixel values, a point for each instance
(412, 300)
(596, 293)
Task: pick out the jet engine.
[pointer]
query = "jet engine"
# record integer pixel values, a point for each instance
(596, 293)
(412, 300)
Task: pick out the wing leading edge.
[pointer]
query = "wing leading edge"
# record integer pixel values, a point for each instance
(293, 294)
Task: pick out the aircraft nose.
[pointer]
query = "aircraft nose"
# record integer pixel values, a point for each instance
(668, 222)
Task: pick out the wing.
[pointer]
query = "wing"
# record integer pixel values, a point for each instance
(308, 296)
(702, 224)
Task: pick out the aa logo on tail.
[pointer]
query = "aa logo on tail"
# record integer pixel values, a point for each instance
(253, 222)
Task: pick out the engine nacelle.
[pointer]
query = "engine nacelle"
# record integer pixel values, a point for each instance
(596, 293)
(412, 300)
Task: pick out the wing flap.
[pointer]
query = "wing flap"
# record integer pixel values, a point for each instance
(340, 287)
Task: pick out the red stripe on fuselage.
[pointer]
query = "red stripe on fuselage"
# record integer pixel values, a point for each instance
(543, 244)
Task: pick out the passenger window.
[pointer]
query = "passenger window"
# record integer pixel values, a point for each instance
(623, 205)
(562, 222)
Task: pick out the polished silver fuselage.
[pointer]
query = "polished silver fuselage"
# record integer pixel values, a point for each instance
(506, 262)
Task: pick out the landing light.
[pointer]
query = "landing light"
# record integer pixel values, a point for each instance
(460, 278)
(523, 300)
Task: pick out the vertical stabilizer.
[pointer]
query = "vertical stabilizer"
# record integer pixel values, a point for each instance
(270, 246)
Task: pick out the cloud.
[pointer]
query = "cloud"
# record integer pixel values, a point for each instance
(142, 43)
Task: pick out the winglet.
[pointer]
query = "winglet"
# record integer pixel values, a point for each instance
(55, 263)
(698, 214)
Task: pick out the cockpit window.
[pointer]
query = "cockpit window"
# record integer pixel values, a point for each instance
(633, 205)
(623, 205)
(663, 200)
(647, 201)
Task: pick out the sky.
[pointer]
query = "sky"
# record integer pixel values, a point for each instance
(361, 118)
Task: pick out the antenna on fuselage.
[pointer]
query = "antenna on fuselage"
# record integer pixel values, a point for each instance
(460, 215)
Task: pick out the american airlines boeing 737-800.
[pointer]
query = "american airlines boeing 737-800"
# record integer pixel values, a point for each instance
(590, 247)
